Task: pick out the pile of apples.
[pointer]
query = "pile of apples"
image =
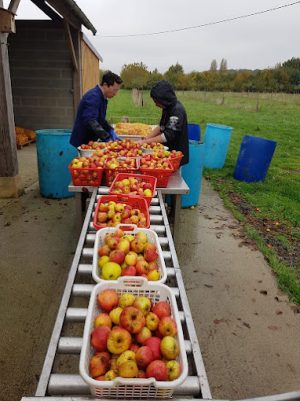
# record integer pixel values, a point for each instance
(111, 213)
(126, 148)
(81, 173)
(93, 145)
(132, 186)
(121, 163)
(133, 338)
(128, 255)
(155, 162)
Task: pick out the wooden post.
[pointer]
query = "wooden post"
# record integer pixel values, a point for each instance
(10, 181)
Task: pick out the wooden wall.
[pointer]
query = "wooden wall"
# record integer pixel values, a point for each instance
(90, 67)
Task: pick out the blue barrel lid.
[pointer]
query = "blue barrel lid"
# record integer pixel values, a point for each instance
(219, 126)
(53, 131)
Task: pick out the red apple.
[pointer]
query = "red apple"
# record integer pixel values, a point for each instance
(141, 267)
(104, 250)
(128, 271)
(161, 309)
(143, 335)
(132, 319)
(99, 364)
(158, 370)
(108, 299)
(150, 252)
(143, 356)
(117, 256)
(154, 344)
(99, 338)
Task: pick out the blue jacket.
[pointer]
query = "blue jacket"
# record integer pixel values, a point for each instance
(92, 106)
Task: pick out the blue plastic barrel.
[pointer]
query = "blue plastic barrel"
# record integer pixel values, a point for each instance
(216, 139)
(192, 174)
(54, 154)
(254, 159)
(194, 132)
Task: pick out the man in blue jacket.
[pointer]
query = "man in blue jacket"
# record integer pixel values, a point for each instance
(90, 123)
(173, 129)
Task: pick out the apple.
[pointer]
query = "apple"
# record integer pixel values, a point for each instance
(124, 245)
(141, 236)
(99, 364)
(134, 347)
(126, 356)
(147, 192)
(141, 374)
(103, 259)
(104, 250)
(131, 258)
(108, 299)
(128, 369)
(141, 267)
(161, 309)
(111, 241)
(153, 275)
(110, 375)
(143, 356)
(167, 326)
(152, 321)
(102, 217)
(113, 362)
(119, 340)
(143, 335)
(132, 319)
(169, 347)
(126, 299)
(152, 266)
(111, 271)
(143, 304)
(154, 344)
(117, 256)
(174, 369)
(150, 252)
(129, 271)
(137, 246)
(158, 370)
(114, 315)
(99, 337)
(102, 319)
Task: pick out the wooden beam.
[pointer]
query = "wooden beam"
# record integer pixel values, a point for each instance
(13, 6)
(10, 182)
(61, 8)
(71, 45)
(47, 10)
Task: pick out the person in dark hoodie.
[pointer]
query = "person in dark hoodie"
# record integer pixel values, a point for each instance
(173, 127)
(90, 123)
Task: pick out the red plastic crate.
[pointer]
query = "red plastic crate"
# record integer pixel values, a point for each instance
(84, 176)
(135, 201)
(111, 173)
(176, 161)
(140, 177)
(162, 175)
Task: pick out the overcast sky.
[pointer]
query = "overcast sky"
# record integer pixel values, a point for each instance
(260, 41)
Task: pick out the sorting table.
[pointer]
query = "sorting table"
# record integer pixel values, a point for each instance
(60, 379)
(176, 187)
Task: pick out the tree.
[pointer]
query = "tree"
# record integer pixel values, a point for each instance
(223, 65)
(174, 74)
(213, 65)
(154, 77)
(135, 75)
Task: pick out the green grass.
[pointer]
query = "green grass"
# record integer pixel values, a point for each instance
(271, 116)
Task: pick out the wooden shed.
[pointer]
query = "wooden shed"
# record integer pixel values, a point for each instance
(45, 67)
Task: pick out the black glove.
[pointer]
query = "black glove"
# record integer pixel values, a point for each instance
(98, 131)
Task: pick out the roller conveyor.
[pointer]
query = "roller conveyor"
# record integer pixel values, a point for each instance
(60, 379)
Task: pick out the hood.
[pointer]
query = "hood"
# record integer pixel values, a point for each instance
(164, 93)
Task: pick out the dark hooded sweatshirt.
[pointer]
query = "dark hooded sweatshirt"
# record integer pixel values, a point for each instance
(173, 122)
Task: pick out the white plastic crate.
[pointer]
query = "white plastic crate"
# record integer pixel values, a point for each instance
(131, 388)
(152, 238)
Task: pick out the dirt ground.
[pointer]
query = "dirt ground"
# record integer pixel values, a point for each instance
(247, 330)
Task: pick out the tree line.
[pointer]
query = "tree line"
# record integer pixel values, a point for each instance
(283, 77)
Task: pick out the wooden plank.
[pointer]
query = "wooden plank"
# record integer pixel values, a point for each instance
(47, 10)
(71, 45)
(90, 67)
(8, 150)
(13, 6)
(66, 12)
